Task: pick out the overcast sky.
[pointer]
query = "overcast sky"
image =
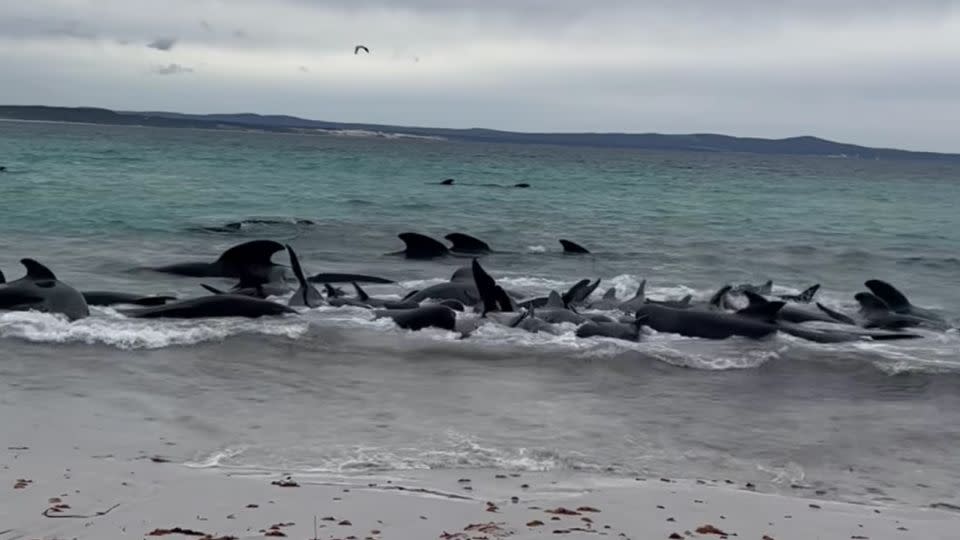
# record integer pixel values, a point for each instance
(876, 72)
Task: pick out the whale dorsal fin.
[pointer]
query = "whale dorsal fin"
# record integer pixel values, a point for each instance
(611, 294)
(3, 278)
(212, 289)
(803, 298)
(306, 295)
(585, 292)
(767, 311)
(486, 286)
(572, 247)
(462, 274)
(835, 315)
(249, 281)
(755, 299)
(572, 292)
(503, 300)
(895, 299)
(685, 301)
(419, 246)
(641, 290)
(361, 294)
(410, 294)
(717, 300)
(332, 292)
(554, 301)
(766, 288)
(36, 270)
(297, 269)
(870, 303)
(519, 319)
(255, 252)
(467, 243)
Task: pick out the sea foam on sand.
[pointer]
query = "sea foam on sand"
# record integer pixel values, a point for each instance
(73, 492)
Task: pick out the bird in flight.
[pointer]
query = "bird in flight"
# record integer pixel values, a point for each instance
(358, 48)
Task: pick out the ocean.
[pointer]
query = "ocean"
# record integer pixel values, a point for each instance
(334, 392)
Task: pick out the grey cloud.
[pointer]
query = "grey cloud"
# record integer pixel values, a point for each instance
(162, 44)
(172, 69)
(75, 30)
(871, 71)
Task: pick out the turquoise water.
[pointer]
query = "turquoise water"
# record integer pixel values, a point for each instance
(689, 217)
(333, 390)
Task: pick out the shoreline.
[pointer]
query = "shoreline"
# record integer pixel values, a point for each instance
(76, 493)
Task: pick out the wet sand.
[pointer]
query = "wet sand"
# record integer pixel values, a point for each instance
(55, 492)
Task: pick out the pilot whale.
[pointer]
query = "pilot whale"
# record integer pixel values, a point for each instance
(40, 290)
(247, 260)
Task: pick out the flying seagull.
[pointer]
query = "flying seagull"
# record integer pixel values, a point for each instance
(358, 48)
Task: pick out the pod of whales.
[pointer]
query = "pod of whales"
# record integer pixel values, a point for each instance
(885, 307)
(473, 297)
(419, 246)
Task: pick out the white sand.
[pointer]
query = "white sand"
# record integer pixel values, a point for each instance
(138, 496)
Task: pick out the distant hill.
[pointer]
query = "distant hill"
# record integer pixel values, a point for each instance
(698, 142)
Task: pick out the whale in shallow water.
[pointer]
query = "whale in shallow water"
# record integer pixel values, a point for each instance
(250, 260)
(40, 290)
(305, 295)
(574, 295)
(461, 291)
(573, 248)
(764, 289)
(110, 298)
(875, 313)
(466, 244)
(804, 297)
(555, 311)
(419, 246)
(462, 287)
(608, 302)
(615, 330)
(222, 305)
(898, 303)
(795, 313)
(335, 277)
(524, 320)
(840, 334)
(386, 303)
(237, 226)
(757, 322)
(434, 316)
(579, 293)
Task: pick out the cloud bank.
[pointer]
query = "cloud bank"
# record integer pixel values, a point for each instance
(878, 72)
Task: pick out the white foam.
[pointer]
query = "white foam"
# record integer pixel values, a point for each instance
(108, 327)
(216, 459)
(449, 450)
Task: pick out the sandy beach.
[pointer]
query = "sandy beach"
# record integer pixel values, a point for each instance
(79, 492)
